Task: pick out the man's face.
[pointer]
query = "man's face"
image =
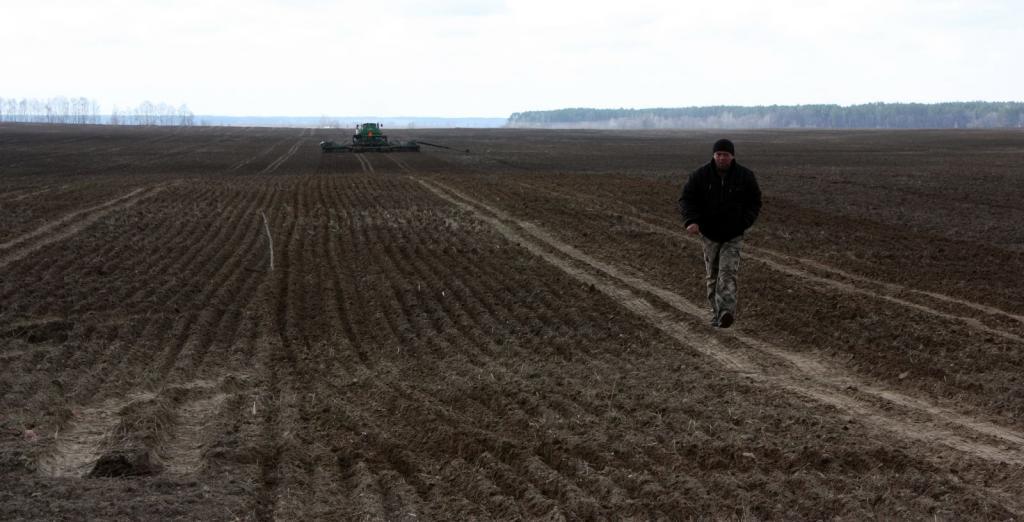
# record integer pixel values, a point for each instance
(723, 159)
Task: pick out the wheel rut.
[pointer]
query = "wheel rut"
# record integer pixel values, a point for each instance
(274, 165)
(889, 294)
(364, 162)
(833, 278)
(80, 445)
(104, 427)
(69, 225)
(801, 374)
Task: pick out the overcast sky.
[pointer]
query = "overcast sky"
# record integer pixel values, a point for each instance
(460, 58)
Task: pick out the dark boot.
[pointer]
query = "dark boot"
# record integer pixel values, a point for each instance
(725, 320)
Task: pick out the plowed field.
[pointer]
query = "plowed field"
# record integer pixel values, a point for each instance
(224, 323)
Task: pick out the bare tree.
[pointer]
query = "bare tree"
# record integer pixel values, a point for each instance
(143, 114)
(78, 110)
(165, 114)
(36, 111)
(58, 110)
(82, 110)
(185, 116)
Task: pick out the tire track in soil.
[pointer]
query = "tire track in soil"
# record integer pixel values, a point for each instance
(401, 164)
(878, 289)
(893, 290)
(251, 157)
(875, 416)
(281, 159)
(28, 195)
(81, 445)
(365, 163)
(801, 374)
(70, 225)
(852, 289)
(92, 434)
(52, 278)
(886, 291)
(889, 292)
(182, 454)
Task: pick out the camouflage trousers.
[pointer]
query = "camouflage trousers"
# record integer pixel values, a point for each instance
(722, 266)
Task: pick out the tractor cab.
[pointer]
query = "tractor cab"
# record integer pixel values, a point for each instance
(369, 134)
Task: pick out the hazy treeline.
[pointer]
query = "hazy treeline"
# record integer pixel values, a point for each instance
(148, 113)
(52, 110)
(955, 115)
(85, 111)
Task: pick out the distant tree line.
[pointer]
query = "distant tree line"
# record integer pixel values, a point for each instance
(952, 115)
(86, 111)
(52, 110)
(148, 113)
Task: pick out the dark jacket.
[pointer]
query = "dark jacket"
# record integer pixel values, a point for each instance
(723, 206)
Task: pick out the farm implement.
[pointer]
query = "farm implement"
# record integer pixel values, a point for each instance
(369, 138)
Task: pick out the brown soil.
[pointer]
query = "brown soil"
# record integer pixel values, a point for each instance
(512, 333)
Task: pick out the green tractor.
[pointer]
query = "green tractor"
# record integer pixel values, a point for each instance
(369, 138)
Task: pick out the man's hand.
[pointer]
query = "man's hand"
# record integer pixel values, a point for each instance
(693, 229)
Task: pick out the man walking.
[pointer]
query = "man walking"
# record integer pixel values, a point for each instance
(720, 201)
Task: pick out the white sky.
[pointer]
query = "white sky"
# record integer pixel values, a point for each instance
(459, 58)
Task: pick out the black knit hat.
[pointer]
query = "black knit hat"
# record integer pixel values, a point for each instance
(724, 144)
